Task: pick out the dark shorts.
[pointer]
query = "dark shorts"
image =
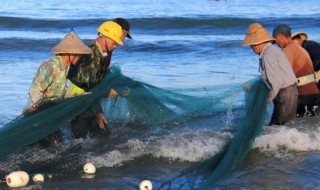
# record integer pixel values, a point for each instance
(285, 105)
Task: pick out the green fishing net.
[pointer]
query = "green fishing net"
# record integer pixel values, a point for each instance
(138, 104)
(206, 174)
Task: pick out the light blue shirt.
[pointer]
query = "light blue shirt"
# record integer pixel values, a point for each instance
(276, 70)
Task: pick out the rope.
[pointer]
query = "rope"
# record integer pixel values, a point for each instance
(56, 174)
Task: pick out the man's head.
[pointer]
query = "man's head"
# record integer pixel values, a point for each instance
(112, 33)
(72, 46)
(299, 37)
(125, 26)
(282, 35)
(257, 37)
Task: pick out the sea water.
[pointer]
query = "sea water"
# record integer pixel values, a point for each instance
(178, 45)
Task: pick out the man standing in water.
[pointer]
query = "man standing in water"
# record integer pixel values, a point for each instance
(50, 81)
(276, 72)
(313, 48)
(92, 69)
(302, 67)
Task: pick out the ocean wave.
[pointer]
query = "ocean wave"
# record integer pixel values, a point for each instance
(42, 42)
(27, 45)
(30, 45)
(38, 24)
(279, 141)
(178, 25)
(187, 145)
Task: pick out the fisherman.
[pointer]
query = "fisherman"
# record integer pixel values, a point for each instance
(50, 80)
(97, 65)
(81, 76)
(91, 70)
(313, 48)
(126, 34)
(302, 67)
(276, 72)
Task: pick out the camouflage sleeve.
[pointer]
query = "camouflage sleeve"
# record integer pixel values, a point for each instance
(40, 83)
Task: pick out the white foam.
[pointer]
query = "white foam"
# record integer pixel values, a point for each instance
(281, 139)
(191, 145)
(187, 145)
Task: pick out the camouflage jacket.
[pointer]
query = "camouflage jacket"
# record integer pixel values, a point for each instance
(90, 69)
(49, 82)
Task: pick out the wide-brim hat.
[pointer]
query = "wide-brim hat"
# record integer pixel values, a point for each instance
(71, 44)
(303, 35)
(256, 34)
(124, 25)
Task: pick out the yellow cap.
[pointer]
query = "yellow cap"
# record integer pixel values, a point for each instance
(112, 30)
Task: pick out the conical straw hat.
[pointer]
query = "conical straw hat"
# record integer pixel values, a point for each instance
(303, 35)
(72, 44)
(256, 34)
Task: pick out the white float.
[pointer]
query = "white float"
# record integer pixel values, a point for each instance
(89, 168)
(145, 185)
(17, 179)
(38, 178)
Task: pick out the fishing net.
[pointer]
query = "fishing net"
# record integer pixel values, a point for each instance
(206, 174)
(140, 105)
(38, 159)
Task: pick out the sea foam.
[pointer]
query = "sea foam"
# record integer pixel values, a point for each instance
(280, 139)
(188, 145)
